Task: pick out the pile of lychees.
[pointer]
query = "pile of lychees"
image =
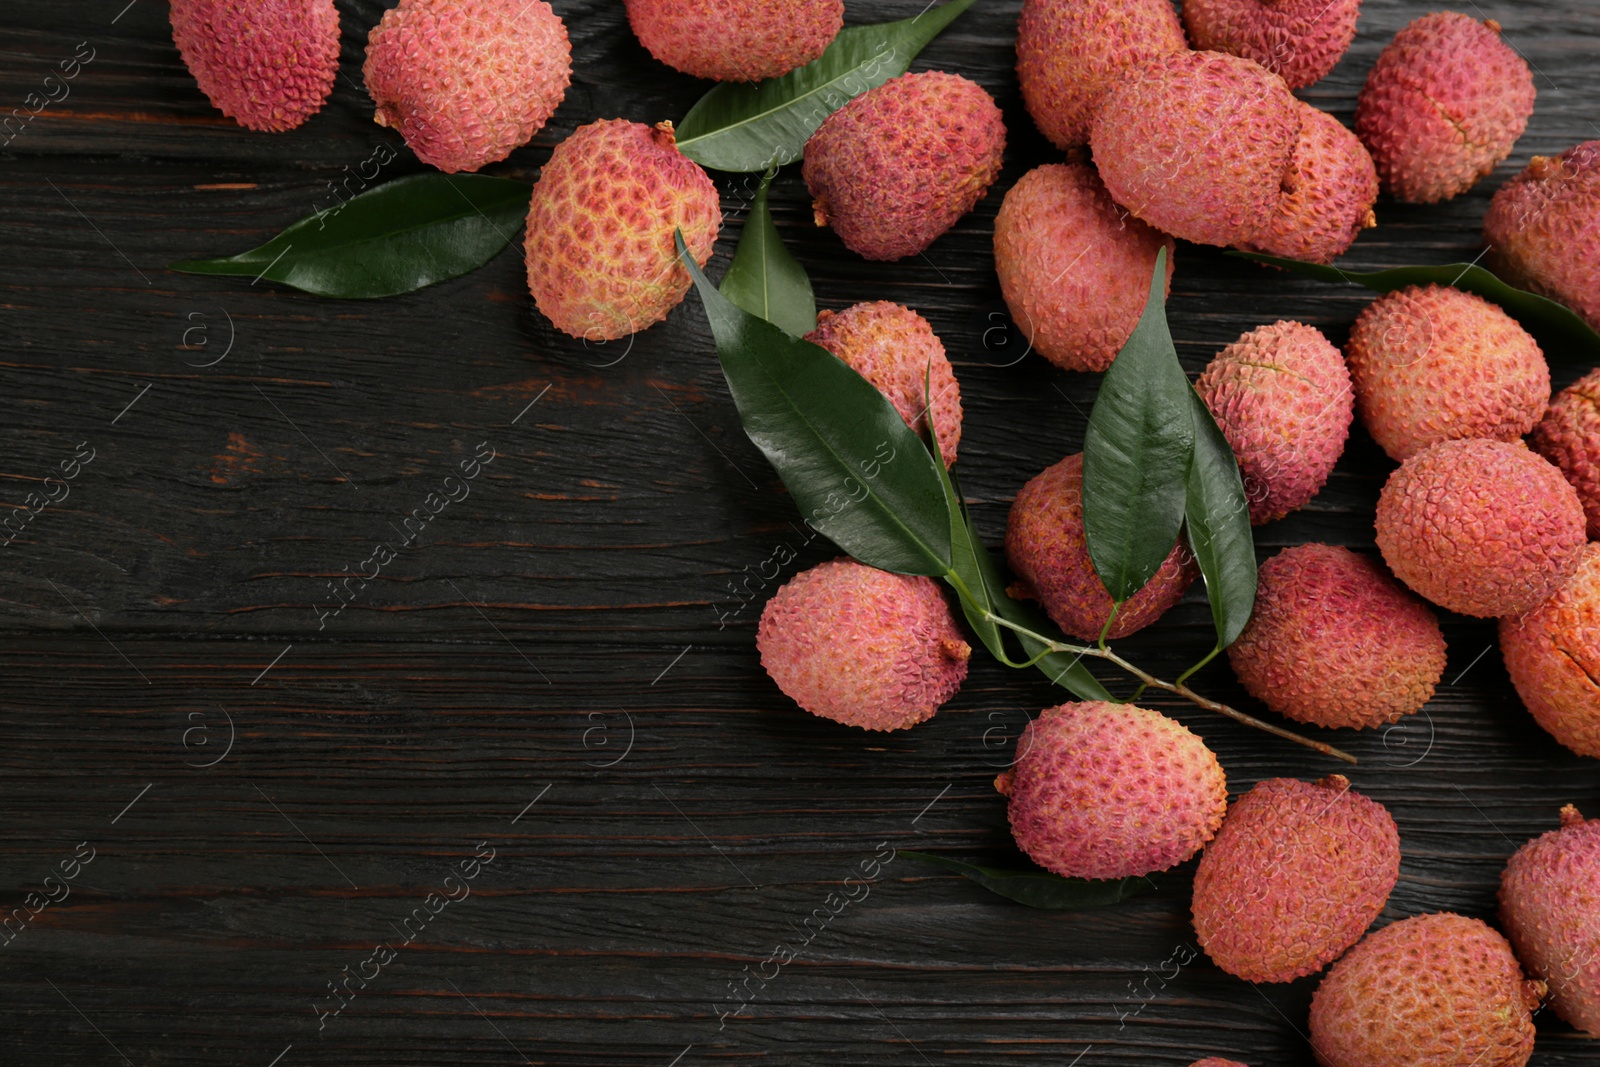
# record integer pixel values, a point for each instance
(1194, 133)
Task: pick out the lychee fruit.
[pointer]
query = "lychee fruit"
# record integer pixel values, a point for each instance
(1433, 363)
(601, 258)
(1074, 267)
(1550, 906)
(896, 350)
(1048, 550)
(1102, 790)
(1335, 641)
(268, 65)
(1298, 40)
(1444, 104)
(1071, 52)
(467, 81)
(1197, 144)
(1569, 437)
(1281, 395)
(1553, 656)
(1437, 990)
(900, 164)
(862, 646)
(1543, 229)
(1295, 876)
(742, 41)
(1485, 528)
(1328, 193)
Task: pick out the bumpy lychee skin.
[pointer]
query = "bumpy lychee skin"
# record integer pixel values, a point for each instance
(1071, 52)
(1196, 144)
(1335, 641)
(896, 350)
(900, 164)
(744, 41)
(467, 81)
(1074, 267)
(1485, 528)
(601, 259)
(1550, 905)
(1433, 363)
(1328, 193)
(1104, 790)
(1543, 229)
(1445, 102)
(1435, 990)
(1569, 437)
(1553, 656)
(1295, 876)
(268, 65)
(1281, 395)
(1298, 40)
(861, 646)
(1046, 546)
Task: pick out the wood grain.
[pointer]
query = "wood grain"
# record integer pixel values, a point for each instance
(568, 635)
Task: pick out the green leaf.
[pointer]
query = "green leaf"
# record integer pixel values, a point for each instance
(1040, 889)
(764, 278)
(742, 127)
(976, 578)
(859, 474)
(1557, 328)
(393, 239)
(1218, 521)
(1136, 453)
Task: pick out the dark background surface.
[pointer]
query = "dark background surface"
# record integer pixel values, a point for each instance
(567, 633)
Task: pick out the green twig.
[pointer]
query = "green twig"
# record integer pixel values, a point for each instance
(1177, 688)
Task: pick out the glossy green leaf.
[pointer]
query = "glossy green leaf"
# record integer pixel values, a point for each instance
(764, 278)
(1040, 889)
(393, 239)
(858, 473)
(1558, 329)
(980, 587)
(1217, 517)
(739, 126)
(1136, 453)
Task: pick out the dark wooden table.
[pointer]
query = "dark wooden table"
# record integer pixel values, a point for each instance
(557, 673)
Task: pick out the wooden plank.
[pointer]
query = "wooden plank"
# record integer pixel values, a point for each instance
(570, 635)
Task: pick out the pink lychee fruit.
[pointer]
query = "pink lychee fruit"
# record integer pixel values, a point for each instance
(1048, 550)
(1543, 229)
(736, 40)
(862, 646)
(1433, 363)
(467, 81)
(1335, 641)
(900, 164)
(1553, 656)
(896, 350)
(1486, 528)
(1550, 906)
(1102, 790)
(1445, 102)
(1569, 437)
(1295, 876)
(268, 65)
(1328, 193)
(1074, 267)
(1281, 396)
(1299, 40)
(1070, 53)
(1197, 144)
(601, 258)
